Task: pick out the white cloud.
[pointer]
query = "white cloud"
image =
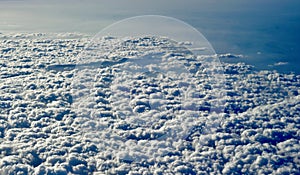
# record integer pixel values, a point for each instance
(260, 106)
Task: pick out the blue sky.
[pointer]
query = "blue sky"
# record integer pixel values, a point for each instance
(84, 15)
(268, 27)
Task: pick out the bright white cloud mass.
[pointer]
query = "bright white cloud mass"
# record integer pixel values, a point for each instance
(41, 133)
(71, 103)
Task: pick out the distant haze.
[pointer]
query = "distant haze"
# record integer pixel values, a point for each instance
(265, 32)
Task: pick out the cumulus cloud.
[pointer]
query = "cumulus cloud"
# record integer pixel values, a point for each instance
(41, 132)
(279, 64)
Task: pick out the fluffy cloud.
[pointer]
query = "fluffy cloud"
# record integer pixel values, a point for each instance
(41, 132)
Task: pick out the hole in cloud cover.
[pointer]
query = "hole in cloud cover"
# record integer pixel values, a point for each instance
(145, 85)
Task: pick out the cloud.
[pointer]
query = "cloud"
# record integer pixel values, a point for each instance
(229, 55)
(40, 132)
(281, 63)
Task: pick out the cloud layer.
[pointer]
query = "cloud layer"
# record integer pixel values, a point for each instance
(41, 132)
